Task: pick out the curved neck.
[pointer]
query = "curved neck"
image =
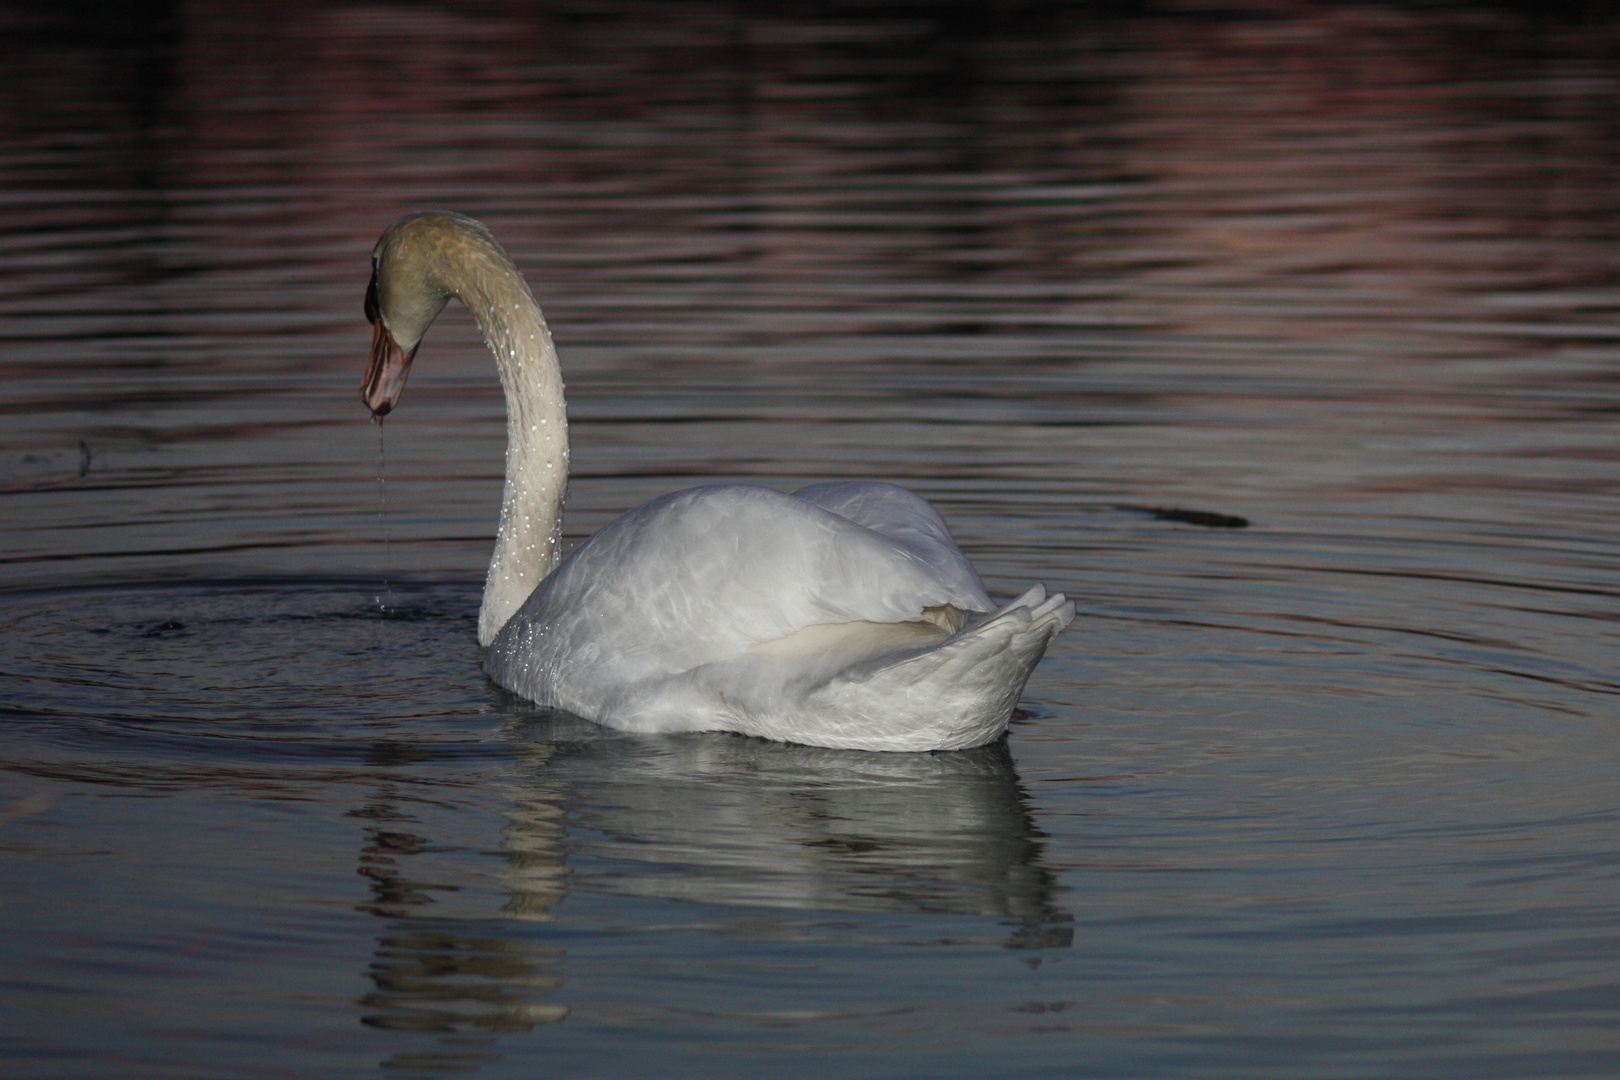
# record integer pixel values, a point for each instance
(529, 539)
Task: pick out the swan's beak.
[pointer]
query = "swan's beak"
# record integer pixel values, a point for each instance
(385, 375)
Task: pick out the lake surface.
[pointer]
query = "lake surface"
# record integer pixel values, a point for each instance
(1333, 795)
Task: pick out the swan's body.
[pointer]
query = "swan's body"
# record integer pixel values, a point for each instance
(837, 615)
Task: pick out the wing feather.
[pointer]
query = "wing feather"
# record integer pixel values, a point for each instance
(701, 575)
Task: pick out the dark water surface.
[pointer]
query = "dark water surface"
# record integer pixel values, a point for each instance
(1331, 796)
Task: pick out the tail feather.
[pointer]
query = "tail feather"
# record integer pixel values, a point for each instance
(1058, 608)
(959, 694)
(1039, 606)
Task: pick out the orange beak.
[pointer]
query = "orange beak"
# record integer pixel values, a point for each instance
(385, 375)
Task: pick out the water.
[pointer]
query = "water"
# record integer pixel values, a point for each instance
(1329, 796)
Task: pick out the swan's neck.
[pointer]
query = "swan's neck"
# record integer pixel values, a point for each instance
(528, 541)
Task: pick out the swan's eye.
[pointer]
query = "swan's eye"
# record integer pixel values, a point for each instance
(371, 298)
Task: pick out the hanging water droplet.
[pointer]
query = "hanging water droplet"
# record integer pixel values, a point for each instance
(386, 594)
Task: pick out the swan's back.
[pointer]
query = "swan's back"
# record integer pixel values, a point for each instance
(702, 575)
(734, 606)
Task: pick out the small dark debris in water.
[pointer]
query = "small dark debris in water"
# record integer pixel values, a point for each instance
(84, 458)
(167, 626)
(1040, 1007)
(1207, 518)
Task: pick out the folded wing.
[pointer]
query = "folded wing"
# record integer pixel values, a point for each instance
(702, 575)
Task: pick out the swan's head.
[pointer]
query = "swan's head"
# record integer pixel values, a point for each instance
(421, 261)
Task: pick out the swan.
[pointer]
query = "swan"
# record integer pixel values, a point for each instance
(841, 615)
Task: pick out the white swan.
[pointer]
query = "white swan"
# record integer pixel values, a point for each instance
(838, 615)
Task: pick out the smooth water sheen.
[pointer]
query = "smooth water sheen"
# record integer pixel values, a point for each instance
(1335, 795)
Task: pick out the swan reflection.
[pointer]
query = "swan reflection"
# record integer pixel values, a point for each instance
(729, 820)
(708, 818)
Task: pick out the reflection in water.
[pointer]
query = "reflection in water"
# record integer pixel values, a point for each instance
(437, 975)
(748, 823)
(707, 819)
(532, 842)
(444, 979)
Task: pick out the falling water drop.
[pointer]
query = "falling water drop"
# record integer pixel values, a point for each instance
(386, 594)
